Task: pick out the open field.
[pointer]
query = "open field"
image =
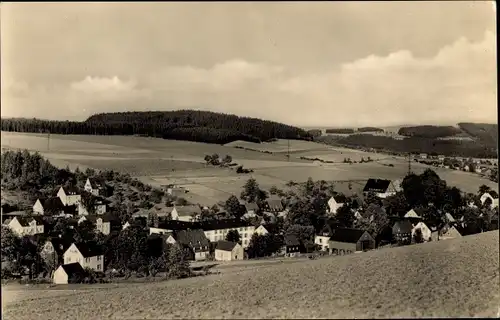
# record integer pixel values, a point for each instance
(282, 145)
(159, 161)
(451, 278)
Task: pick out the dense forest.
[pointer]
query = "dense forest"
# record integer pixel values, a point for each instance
(340, 131)
(314, 132)
(484, 132)
(370, 129)
(191, 125)
(414, 145)
(429, 131)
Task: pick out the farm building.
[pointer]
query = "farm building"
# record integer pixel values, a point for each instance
(344, 241)
(23, 226)
(193, 241)
(186, 213)
(69, 273)
(228, 251)
(89, 255)
(291, 246)
(336, 202)
(425, 231)
(380, 187)
(402, 231)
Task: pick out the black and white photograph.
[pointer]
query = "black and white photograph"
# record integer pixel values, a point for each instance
(249, 160)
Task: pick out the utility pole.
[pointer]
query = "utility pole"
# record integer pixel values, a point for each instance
(409, 163)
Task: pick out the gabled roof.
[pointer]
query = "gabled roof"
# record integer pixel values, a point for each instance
(449, 217)
(16, 213)
(175, 225)
(377, 185)
(403, 226)
(225, 245)
(95, 182)
(191, 238)
(346, 235)
(25, 221)
(104, 217)
(73, 268)
(271, 228)
(339, 198)
(222, 224)
(414, 213)
(89, 249)
(187, 210)
(57, 242)
(291, 240)
(70, 190)
(274, 204)
(251, 206)
(52, 203)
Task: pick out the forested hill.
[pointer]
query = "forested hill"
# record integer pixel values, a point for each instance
(191, 125)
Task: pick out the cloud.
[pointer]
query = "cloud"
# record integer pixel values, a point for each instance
(457, 84)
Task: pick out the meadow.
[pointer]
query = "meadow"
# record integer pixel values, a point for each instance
(450, 278)
(159, 161)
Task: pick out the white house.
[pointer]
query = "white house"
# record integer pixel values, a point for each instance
(195, 240)
(99, 208)
(23, 226)
(335, 202)
(93, 186)
(228, 251)
(52, 205)
(426, 232)
(102, 224)
(322, 241)
(186, 213)
(452, 233)
(66, 272)
(380, 187)
(87, 254)
(493, 196)
(216, 231)
(69, 196)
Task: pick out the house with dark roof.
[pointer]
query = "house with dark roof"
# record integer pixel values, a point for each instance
(344, 241)
(491, 197)
(218, 229)
(291, 245)
(401, 231)
(99, 207)
(194, 241)
(89, 255)
(415, 214)
(24, 226)
(94, 186)
(274, 204)
(53, 250)
(336, 202)
(13, 214)
(49, 206)
(69, 195)
(228, 251)
(262, 230)
(103, 223)
(380, 187)
(425, 231)
(452, 233)
(69, 273)
(251, 209)
(186, 213)
(166, 226)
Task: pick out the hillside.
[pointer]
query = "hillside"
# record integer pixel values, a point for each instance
(451, 278)
(484, 132)
(190, 125)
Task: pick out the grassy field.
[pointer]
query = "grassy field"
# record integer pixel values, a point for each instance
(159, 161)
(451, 278)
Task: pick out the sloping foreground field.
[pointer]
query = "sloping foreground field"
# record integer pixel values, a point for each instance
(452, 278)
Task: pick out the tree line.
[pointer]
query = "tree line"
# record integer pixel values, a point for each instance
(191, 125)
(429, 131)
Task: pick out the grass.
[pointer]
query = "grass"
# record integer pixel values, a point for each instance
(159, 161)
(452, 278)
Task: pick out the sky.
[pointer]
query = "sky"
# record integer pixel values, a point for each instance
(306, 64)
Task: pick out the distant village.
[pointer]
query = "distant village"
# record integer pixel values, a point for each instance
(83, 230)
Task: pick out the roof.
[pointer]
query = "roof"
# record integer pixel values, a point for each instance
(57, 242)
(271, 228)
(89, 249)
(346, 235)
(403, 226)
(175, 225)
(53, 203)
(414, 213)
(73, 268)
(251, 206)
(25, 221)
(104, 217)
(275, 204)
(291, 240)
(95, 182)
(16, 213)
(222, 224)
(225, 245)
(187, 210)
(377, 185)
(192, 238)
(339, 198)
(449, 217)
(70, 190)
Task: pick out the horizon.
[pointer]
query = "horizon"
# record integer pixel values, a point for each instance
(425, 65)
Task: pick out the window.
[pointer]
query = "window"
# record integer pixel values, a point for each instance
(87, 260)
(320, 240)
(98, 258)
(99, 267)
(69, 259)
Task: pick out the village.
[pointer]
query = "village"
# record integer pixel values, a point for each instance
(79, 233)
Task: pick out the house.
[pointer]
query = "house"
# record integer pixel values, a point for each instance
(401, 231)
(137, 222)
(344, 241)
(194, 241)
(273, 204)
(415, 213)
(425, 231)
(69, 196)
(441, 157)
(228, 251)
(423, 156)
(322, 241)
(167, 226)
(449, 218)
(104, 224)
(217, 230)
(69, 273)
(292, 245)
(94, 186)
(99, 208)
(186, 213)
(13, 214)
(251, 210)
(23, 226)
(451, 233)
(336, 202)
(492, 196)
(380, 187)
(89, 255)
(49, 206)
(53, 250)
(173, 190)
